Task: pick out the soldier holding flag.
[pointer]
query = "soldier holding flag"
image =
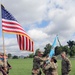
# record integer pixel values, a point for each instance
(37, 63)
(51, 68)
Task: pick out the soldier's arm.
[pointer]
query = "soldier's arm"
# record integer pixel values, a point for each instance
(69, 65)
(51, 65)
(43, 59)
(39, 58)
(3, 71)
(47, 66)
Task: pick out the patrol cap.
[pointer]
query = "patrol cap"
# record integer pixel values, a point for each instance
(40, 52)
(63, 53)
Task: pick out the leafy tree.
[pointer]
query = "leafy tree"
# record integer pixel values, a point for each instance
(31, 55)
(66, 49)
(72, 51)
(15, 57)
(58, 50)
(47, 49)
(71, 43)
(9, 55)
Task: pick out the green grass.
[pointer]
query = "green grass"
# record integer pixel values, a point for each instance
(20, 66)
(24, 66)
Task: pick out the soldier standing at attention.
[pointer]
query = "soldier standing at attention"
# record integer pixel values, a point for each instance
(51, 68)
(65, 64)
(37, 64)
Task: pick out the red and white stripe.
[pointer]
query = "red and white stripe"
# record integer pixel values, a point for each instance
(25, 43)
(10, 26)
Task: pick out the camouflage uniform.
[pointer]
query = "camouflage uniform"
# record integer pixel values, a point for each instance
(45, 62)
(51, 69)
(1, 64)
(37, 65)
(2, 71)
(66, 66)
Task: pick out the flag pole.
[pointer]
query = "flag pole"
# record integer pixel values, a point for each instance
(4, 52)
(59, 42)
(4, 48)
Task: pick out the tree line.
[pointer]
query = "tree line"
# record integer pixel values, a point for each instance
(69, 49)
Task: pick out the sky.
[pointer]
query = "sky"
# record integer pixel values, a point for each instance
(42, 20)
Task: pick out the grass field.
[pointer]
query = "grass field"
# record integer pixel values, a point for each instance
(24, 66)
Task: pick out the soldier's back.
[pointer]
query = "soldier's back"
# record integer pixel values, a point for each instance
(51, 69)
(66, 65)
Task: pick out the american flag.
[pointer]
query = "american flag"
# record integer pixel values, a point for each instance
(11, 25)
(25, 43)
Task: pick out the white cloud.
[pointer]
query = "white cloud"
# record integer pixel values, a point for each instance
(37, 35)
(71, 23)
(30, 11)
(59, 13)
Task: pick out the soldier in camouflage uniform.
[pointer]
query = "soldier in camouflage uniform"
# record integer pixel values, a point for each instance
(45, 62)
(2, 70)
(37, 64)
(51, 68)
(65, 64)
(1, 64)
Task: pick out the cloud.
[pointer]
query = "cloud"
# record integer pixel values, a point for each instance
(30, 11)
(11, 46)
(37, 34)
(60, 15)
